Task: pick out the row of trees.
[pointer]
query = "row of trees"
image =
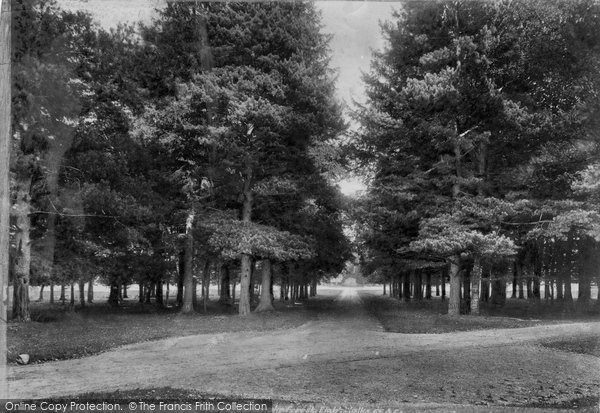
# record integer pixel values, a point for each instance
(480, 133)
(153, 153)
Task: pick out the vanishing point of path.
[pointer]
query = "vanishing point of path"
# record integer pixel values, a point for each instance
(343, 355)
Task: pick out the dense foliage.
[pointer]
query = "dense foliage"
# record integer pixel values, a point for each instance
(180, 150)
(479, 131)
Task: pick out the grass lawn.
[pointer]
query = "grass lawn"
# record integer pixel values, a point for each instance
(57, 334)
(429, 316)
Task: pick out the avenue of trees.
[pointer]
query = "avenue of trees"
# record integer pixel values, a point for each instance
(480, 135)
(198, 147)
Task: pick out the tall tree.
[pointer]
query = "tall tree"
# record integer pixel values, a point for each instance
(5, 139)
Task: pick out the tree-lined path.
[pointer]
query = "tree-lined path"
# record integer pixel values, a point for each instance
(322, 360)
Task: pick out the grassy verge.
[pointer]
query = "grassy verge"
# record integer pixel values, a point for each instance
(429, 316)
(59, 334)
(581, 345)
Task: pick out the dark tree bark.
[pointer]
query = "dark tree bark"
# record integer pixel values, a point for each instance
(246, 264)
(265, 303)
(418, 284)
(113, 296)
(484, 293)
(515, 280)
(52, 293)
(529, 287)
(180, 276)
(499, 292)
(225, 295)
(159, 294)
(475, 281)
(559, 289)
(205, 284)
(90, 291)
(406, 287)
(585, 290)
(72, 298)
(82, 293)
(466, 282)
(568, 295)
(443, 286)
(454, 299)
(428, 287)
(194, 292)
(149, 288)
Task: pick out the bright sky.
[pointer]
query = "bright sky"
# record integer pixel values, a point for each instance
(354, 25)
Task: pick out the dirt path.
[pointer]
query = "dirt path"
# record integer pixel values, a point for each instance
(346, 334)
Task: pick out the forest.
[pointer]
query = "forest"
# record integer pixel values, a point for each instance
(481, 136)
(205, 146)
(177, 229)
(174, 152)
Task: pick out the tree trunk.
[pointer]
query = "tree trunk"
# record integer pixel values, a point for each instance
(233, 290)
(499, 292)
(384, 293)
(188, 253)
(428, 287)
(585, 290)
(62, 297)
(113, 296)
(246, 264)
(194, 292)
(475, 280)
(160, 302)
(72, 298)
(529, 280)
(265, 303)
(180, 276)
(418, 282)
(90, 292)
(484, 292)
(466, 283)
(515, 280)
(519, 276)
(149, 288)
(559, 289)
(546, 290)
(52, 293)
(537, 276)
(124, 286)
(443, 284)
(225, 295)
(454, 300)
(22, 259)
(406, 287)
(568, 295)
(141, 292)
(82, 293)
(282, 290)
(5, 144)
(205, 284)
(41, 296)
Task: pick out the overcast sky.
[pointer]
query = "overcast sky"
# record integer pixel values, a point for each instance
(354, 25)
